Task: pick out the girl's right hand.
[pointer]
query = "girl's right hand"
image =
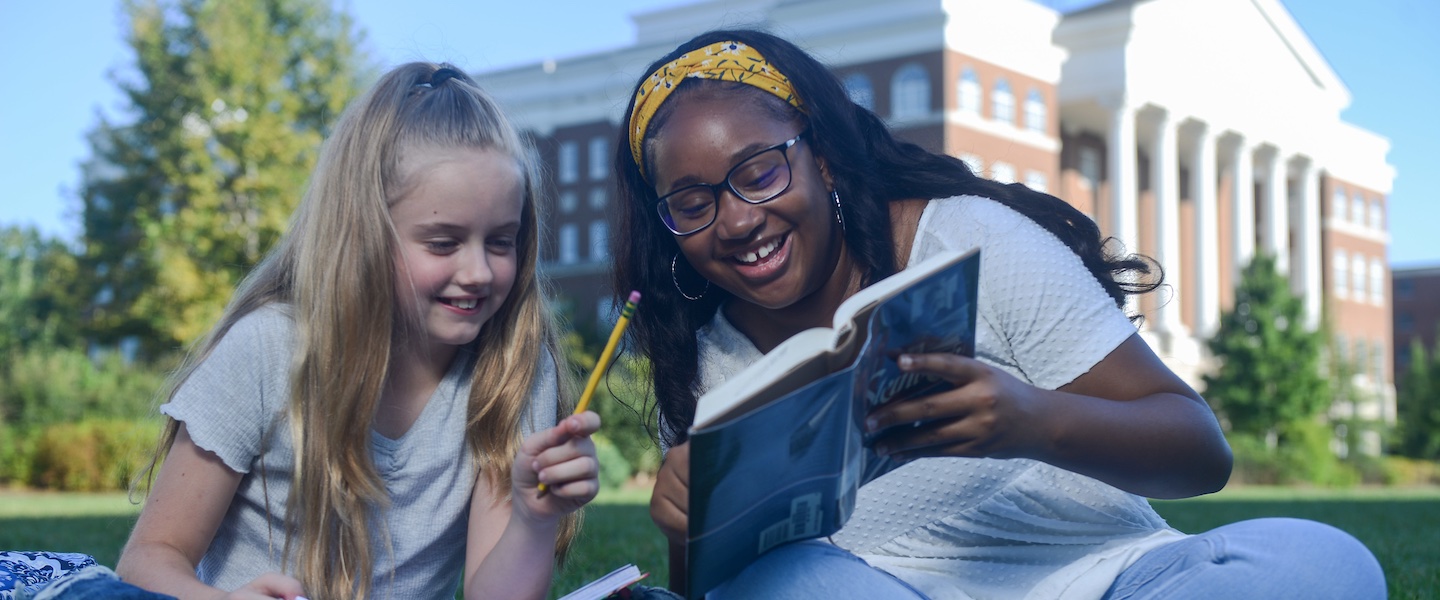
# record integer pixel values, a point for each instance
(269, 586)
(670, 501)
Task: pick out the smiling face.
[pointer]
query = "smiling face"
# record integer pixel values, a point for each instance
(457, 225)
(775, 255)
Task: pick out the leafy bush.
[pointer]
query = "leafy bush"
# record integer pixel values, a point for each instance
(45, 385)
(92, 455)
(1302, 456)
(15, 451)
(614, 469)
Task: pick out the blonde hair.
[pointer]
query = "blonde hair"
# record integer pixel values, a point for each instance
(347, 320)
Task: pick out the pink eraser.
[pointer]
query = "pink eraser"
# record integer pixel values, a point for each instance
(634, 295)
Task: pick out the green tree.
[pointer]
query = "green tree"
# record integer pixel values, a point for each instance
(228, 105)
(38, 297)
(1419, 404)
(1270, 378)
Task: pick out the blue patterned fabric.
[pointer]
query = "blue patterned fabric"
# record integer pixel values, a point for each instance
(63, 576)
(28, 571)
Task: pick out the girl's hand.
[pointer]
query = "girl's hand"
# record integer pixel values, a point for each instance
(989, 413)
(269, 586)
(670, 500)
(563, 458)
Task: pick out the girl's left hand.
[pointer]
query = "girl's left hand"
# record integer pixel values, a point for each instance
(989, 413)
(563, 458)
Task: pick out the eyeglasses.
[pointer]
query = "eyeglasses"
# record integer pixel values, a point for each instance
(759, 178)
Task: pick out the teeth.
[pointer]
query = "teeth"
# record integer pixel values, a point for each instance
(465, 304)
(762, 252)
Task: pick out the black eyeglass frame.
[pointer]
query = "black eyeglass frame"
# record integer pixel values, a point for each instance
(716, 188)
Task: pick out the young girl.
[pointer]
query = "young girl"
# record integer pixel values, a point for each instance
(353, 426)
(777, 198)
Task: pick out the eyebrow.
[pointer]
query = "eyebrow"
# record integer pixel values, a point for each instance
(446, 228)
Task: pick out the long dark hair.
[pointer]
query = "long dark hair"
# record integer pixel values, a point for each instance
(870, 168)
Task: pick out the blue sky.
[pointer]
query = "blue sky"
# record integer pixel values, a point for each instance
(56, 56)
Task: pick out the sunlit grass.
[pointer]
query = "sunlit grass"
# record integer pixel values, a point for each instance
(1399, 525)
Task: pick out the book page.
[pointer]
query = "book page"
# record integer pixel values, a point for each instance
(782, 362)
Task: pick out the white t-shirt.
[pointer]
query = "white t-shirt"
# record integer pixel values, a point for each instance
(236, 405)
(962, 528)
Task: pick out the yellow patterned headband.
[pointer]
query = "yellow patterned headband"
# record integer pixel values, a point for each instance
(726, 61)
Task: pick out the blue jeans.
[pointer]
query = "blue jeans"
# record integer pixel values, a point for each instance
(1260, 558)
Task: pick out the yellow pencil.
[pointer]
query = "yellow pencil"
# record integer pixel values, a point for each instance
(606, 356)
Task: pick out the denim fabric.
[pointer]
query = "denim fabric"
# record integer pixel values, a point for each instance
(1274, 558)
(812, 569)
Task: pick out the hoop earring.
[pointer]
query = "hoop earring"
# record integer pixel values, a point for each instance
(676, 280)
(839, 215)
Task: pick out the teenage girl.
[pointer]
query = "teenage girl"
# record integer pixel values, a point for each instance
(374, 411)
(757, 197)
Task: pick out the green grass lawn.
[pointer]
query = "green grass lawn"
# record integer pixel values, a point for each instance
(1401, 526)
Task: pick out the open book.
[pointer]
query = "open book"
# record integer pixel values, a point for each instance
(612, 582)
(778, 452)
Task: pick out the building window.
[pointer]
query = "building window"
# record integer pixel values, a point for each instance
(1002, 172)
(1362, 355)
(597, 199)
(1377, 282)
(1404, 322)
(1338, 204)
(969, 88)
(910, 92)
(858, 87)
(1003, 102)
(599, 164)
(1090, 165)
(1377, 215)
(1357, 209)
(977, 166)
(1357, 277)
(599, 238)
(1341, 270)
(1342, 349)
(569, 162)
(568, 202)
(1404, 289)
(1035, 111)
(569, 250)
(1037, 181)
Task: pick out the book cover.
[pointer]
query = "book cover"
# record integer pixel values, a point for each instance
(778, 452)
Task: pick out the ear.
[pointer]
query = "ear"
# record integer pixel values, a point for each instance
(825, 172)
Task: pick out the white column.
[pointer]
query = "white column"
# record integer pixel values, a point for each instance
(1120, 167)
(1207, 232)
(1165, 183)
(1242, 214)
(1275, 237)
(1307, 229)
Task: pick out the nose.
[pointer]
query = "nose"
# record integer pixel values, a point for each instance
(736, 219)
(474, 269)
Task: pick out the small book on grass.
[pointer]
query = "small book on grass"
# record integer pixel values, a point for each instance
(603, 587)
(778, 452)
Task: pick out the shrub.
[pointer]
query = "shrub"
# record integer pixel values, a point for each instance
(92, 455)
(15, 451)
(614, 469)
(58, 385)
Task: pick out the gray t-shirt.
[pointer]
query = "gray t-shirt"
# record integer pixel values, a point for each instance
(236, 405)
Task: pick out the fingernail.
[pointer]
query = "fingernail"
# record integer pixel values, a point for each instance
(871, 424)
(905, 361)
